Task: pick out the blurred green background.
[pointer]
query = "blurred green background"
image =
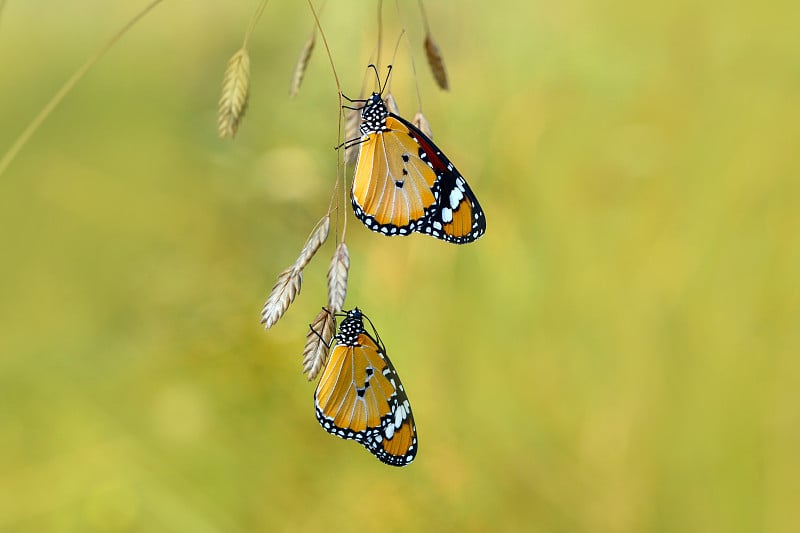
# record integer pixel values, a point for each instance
(619, 353)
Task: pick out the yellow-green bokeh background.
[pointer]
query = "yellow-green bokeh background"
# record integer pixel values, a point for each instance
(619, 353)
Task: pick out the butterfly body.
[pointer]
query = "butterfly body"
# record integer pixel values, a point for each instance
(360, 397)
(404, 183)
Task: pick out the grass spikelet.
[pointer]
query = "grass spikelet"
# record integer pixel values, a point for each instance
(235, 92)
(421, 122)
(352, 131)
(436, 62)
(318, 341)
(283, 293)
(289, 281)
(391, 104)
(317, 238)
(337, 278)
(302, 64)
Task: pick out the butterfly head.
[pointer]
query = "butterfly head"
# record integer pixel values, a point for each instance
(373, 115)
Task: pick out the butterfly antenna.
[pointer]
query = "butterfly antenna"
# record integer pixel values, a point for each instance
(386, 81)
(377, 76)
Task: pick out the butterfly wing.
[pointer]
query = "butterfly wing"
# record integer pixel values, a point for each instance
(456, 216)
(360, 397)
(393, 189)
(403, 183)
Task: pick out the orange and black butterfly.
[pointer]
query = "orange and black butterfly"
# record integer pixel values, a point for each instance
(359, 395)
(404, 183)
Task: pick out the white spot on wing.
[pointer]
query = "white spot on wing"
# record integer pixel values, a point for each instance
(455, 198)
(447, 215)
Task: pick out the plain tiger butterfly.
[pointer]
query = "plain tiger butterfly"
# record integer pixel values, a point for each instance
(404, 183)
(360, 397)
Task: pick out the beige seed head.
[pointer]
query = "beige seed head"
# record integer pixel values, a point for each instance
(235, 92)
(318, 340)
(421, 122)
(436, 62)
(289, 281)
(283, 293)
(352, 132)
(302, 63)
(315, 240)
(391, 104)
(337, 278)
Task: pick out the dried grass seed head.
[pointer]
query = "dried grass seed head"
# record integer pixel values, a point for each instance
(337, 278)
(235, 93)
(352, 130)
(283, 293)
(391, 103)
(318, 341)
(302, 64)
(436, 61)
(421, 122)
(315, 240)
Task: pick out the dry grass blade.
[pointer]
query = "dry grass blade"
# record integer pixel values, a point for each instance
(391, 104)
(283, 293)
(352, 131)
(318, 341)
(235, 91)
(436, 62)
(302, 64)
(337, 278)
(421, 122)
(65, 89)
(313, 243)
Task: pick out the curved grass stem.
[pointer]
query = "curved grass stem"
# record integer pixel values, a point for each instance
(39, 119)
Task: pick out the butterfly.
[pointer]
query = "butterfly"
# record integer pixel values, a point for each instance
(360, 397)
(404, 183)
